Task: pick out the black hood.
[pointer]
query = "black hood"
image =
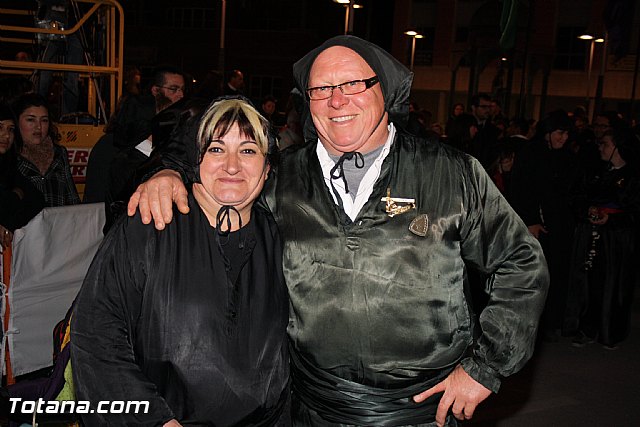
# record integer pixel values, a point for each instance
(395, 79)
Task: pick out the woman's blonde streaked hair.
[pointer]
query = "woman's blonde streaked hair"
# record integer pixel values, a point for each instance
(223, 114)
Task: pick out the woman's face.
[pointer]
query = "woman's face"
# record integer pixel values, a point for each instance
(34, 125)
(557, 139)
(7, 129)
(457, 110)
(233, 170)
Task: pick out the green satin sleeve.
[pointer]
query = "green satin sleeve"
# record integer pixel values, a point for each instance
(495, 242)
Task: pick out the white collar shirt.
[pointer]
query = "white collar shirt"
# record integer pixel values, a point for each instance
(353, 206)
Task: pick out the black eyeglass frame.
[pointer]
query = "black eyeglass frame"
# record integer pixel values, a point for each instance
(173, 89)
(368, 83)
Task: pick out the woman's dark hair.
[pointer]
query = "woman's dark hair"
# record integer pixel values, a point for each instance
(556, 120)
(455, 105)
(6, 113)
(8, 159)
(21, 104)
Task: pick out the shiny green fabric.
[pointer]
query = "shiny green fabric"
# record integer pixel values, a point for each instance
(373, 303)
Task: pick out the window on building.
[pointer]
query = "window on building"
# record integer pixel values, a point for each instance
(571, 52)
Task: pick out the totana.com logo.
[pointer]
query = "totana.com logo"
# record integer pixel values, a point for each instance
(19, 406)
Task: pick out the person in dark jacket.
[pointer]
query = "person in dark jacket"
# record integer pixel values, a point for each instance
(604, 271)
(378, 229)
(41, 160)
(192, 320)
(484, 145)
(21, 201)
(544, 174)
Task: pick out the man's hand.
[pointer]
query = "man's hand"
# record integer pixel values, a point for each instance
(461, 391)
(597, 217)
(154, 198)
(536, 229)
(600, 220)
(172, 423)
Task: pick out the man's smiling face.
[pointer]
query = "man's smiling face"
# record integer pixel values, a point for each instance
(347, 123)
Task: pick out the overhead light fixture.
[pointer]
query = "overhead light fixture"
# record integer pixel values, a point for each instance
(586, 37)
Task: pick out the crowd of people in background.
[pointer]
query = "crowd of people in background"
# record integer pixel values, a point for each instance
(555, 173)
(576, 185)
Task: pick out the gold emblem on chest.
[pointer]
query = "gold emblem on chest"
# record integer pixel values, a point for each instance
(397, 205)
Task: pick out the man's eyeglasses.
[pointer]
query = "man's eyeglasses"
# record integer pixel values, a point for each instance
(484, 106)
(347, 88)
(173, 89)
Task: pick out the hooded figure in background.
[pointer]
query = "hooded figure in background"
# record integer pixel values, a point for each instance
(378, 228)
(543, 179)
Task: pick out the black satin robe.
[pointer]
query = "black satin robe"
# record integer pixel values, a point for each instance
(379, 313)
(158, 319)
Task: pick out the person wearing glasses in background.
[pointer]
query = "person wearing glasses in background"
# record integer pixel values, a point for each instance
(378, 228)
(132, 135)
(484, 145)
(168, 87)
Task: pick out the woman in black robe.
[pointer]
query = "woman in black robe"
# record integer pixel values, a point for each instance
(604, 269)
(192, 319)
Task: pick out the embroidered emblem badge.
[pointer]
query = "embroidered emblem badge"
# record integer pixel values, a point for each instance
(392, 208)
(420, 225)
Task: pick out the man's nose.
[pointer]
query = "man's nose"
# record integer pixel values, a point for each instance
(338, 98)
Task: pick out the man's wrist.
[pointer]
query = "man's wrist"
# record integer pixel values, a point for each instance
(482, 373)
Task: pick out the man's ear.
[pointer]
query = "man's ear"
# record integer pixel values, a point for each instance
(154, 90)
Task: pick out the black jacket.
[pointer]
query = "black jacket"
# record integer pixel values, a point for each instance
(160, 318)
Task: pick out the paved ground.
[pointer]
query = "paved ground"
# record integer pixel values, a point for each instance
(567, 386)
